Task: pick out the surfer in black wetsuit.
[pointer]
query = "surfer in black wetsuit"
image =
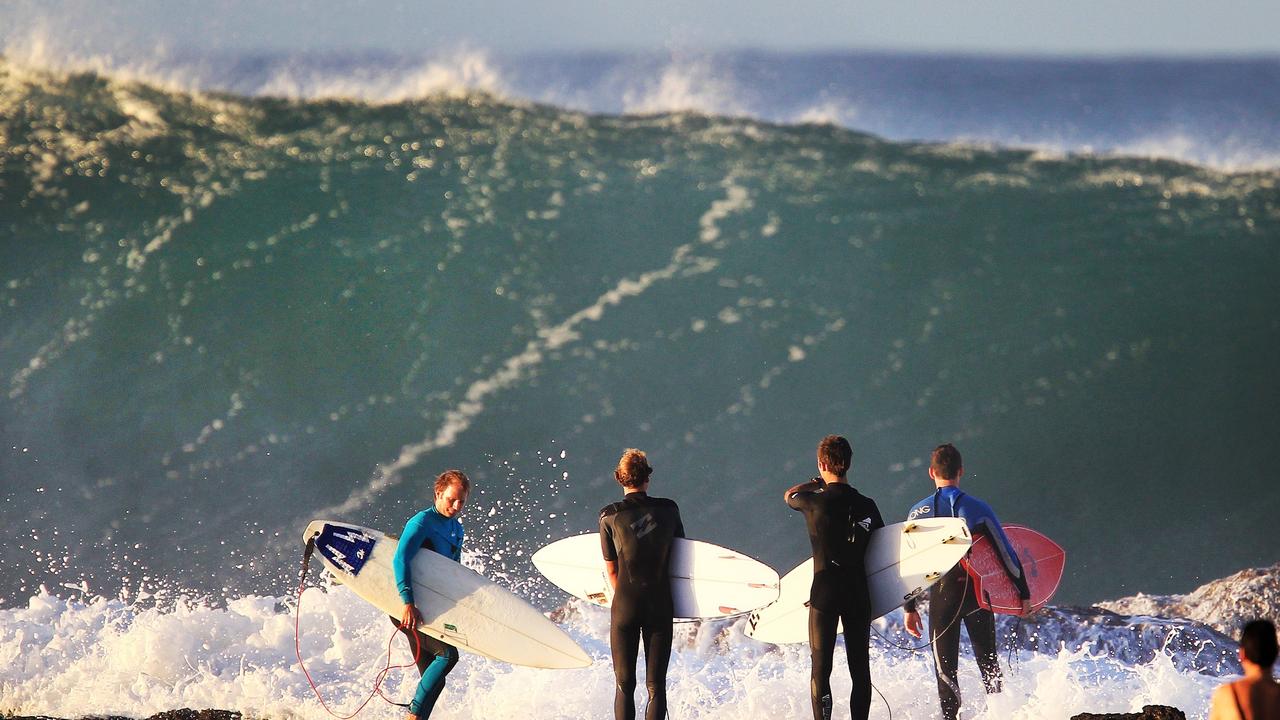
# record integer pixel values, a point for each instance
(636, 536)
(952, 598)
(840, 521)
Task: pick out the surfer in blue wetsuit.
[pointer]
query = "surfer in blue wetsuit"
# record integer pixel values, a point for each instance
(437, 529)
(952, 599)
(636, 537)
(840, 521)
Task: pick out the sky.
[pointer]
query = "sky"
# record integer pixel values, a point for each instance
(1053, 27)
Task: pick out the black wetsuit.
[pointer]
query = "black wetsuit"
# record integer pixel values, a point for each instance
(637, 533)
(840, 521)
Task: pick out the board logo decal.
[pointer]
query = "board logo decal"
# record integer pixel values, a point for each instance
(346, 548)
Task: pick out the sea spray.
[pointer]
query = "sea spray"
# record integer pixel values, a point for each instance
(72, 658)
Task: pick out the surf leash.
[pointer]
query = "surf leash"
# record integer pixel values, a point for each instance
(883, 699)
(919, 648)
(377, 680)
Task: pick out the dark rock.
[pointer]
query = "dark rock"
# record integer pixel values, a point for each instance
(189, 714)
(1149, 712)
(182, 714)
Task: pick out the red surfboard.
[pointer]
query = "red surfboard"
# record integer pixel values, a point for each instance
(1042, 560)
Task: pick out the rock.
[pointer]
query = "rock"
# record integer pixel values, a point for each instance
(189, 714)
(182, 714)
(1225, 604)
(1149, 712)
(1132, 639)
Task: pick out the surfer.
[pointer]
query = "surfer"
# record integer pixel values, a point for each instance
(636, 537)
(1256, 695)
(437, 528)
(840, 521)
(951, 598)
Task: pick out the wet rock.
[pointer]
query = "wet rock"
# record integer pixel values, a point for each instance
(1225, 604)
(1149, 712)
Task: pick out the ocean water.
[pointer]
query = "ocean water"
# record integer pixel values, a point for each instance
(239, 293)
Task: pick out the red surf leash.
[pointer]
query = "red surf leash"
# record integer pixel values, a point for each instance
(377, 680)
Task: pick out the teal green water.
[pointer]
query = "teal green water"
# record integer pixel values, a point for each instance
(221, 317)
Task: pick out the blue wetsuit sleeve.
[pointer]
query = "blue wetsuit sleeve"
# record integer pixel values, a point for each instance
(415, 532)
(984, 520)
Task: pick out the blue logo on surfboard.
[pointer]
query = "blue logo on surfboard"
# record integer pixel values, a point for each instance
(346, 548)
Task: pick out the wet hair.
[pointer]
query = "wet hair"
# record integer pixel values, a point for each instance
(835, 454)
(1258, 640)
(945, 462)
(633, 469)
(456, 478)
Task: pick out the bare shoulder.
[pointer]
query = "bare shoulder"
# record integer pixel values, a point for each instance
(1222, 706)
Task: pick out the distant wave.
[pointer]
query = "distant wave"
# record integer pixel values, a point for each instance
(1125, 108)
(256, 309)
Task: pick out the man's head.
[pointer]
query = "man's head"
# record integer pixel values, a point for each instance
(452, 489)
(633, 470)
(834, 455)
(945, 463)
(1258, 643)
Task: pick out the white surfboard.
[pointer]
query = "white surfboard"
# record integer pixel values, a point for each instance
(458, 605)
(707, 581)
(902, 560)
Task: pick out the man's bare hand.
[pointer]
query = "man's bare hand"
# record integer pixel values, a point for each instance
(410, 619)
(914, 626)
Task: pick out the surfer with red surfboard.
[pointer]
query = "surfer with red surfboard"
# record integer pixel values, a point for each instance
(952, 599)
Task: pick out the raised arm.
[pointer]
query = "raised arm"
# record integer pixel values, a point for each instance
(794, 492)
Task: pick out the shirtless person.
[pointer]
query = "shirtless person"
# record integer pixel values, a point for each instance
(840, 520)
(1256, 696)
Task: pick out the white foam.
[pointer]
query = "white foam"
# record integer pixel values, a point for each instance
(455, 74)
(70, 658)
(685, 86)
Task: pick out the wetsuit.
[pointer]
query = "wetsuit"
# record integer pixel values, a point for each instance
(840, 521)
(952, 598)
(432, 531)
(637, 533)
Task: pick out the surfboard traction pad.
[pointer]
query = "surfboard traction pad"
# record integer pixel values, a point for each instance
(345, 547)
